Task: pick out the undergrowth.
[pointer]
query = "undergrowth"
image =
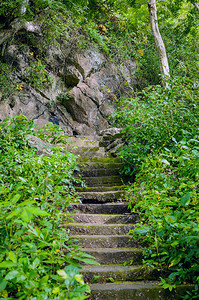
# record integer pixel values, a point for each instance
(161, 127)
(38, 259)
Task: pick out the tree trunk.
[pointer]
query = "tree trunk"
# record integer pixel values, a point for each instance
(24, 6)
(164, 65)
(196, 6)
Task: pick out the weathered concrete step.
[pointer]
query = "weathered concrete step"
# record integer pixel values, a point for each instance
(102, 197)
(106, 219)
(100, 188)
(107, 273)
(81, 142)
(107, 241)
(103, 180)
(94, 172)
(105, 208)
(97, 152)
(104, 229)
(103, 164)
(105, 160)
(116, 255)
(136, 291)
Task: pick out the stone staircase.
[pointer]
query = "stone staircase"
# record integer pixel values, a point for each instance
(101, 224)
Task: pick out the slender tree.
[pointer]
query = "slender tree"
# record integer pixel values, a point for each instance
(164, 65)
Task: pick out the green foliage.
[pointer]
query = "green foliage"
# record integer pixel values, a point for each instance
(10, 9)
(37, 74)
(38, 260)
(161, 126)
(7, 87)
(155, 117)
(166, 193)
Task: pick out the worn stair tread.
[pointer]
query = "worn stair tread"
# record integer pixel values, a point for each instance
(106, 218)
(107, 256)
(99, 224)
(124, 285)
(103, 164)
(114, 180)
(100, 236)
(111, 268)
(100, 188)
(100, 208)
(93, 229)
(107, 241)
(103, 197)
(101, 193)
(100, 160)
(114, 250)
(118, 273)
(139, 290)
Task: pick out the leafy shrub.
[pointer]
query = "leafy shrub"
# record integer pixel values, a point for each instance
(166, 190)
(161, 126)
(38, 259)
(6, 85)
(155, 116)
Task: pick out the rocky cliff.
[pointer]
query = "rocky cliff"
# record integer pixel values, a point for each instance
(77, 86)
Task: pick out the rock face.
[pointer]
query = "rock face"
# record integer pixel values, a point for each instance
(81, 92)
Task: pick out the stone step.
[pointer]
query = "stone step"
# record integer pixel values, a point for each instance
(81, 142)
(99, 188)
(105, 208)
(108, 273)
(107, 241)
(113, 163)
(105, 160)
(140, 290)
(102, 197)
(90, 153)
(103, 181)
(94, 172)
(116, 255)
(106, 218)
(103, 229)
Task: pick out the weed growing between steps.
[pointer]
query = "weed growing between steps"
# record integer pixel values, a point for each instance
(38, 260)
(162, 126)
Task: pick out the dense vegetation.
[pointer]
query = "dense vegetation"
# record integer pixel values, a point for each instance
(161, 126)
(38, 259)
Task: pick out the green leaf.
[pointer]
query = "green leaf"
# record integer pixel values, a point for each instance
(62, 273)
(21, 278)
(7, 264)
(22, 179)
(79, 278)
(88, 261)
(170, 219)
(15, 198)
(184, 200)
(3, 285)
(12, 256)
(141, 230)
(164, 161)
(13, 214)
(37, 211)
(26, 216)
(11, 275)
